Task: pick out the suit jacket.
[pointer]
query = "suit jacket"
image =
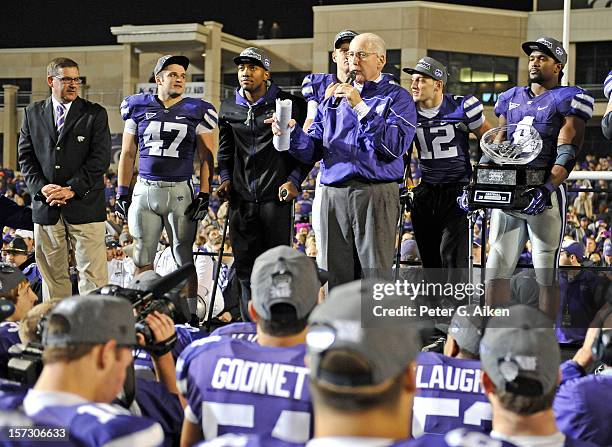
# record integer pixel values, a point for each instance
(78, 158)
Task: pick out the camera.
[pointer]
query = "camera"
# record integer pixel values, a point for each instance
(25, 364)
(144, 303)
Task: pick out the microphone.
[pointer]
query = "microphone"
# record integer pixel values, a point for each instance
(349, 80)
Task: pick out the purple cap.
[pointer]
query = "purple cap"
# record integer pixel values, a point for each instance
(573, 248)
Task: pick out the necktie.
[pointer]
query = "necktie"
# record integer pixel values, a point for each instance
(59, 121)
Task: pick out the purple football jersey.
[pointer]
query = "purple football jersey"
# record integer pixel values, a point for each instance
(95, 424)
(581, 406)
(160, 405)
(9, 336)
(545, 112)
(236, 386)
(315, 84)
(167, 136)
(11, 395)
(246, 331)
(449, 396)
(232, 440)
(442, 141)
(185, 334)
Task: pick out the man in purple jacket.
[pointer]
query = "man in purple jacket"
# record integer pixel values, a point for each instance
(580, 407)
(361, 132)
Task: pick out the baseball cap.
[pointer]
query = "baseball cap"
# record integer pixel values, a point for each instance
(10, 277)
(168, 59)
(573, 248)
(336, 324)
(520, 353)
(93, 319)
(428, 66)
(284, 275)
(409, 250)
(254, 55)
(143, 281)
(125, 237)
(344, 36)
(467, 327)
(547, 45)
(24, 234)
(17, 245)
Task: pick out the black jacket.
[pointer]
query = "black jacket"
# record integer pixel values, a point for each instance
(246, 155)
(78, 158)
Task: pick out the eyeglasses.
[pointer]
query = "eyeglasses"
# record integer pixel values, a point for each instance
(66, 80)
(361, 55)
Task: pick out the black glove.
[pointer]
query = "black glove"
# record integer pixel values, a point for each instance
(198, 209)
(406, 198)
(122, 204)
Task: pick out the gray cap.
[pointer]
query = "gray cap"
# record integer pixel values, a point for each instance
(336, 324)
(143, 281)
(168, 59)
(466, 327)
(547, 45)
(93, 319)
(253, 55)
(10, 277)
(428, 66)
(520, 353)
(344, 36)
(284, 275)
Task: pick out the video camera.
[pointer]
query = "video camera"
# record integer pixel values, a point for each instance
(26, 363)
(159, 295)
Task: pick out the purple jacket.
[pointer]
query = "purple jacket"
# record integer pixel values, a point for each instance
(368, 149)
(582, 407)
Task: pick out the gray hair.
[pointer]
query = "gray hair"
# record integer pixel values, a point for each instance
(376, 42)
(60, 62)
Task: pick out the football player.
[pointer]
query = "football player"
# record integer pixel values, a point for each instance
(14, 287)
(444, 123)
(449, 394)
(316, 87)
(167, 129)
(520, 372)
(87, 347)
(559, 114)
(233, 385)
(362, 379)
(606, 122)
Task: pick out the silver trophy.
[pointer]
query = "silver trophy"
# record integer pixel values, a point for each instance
(501, 183)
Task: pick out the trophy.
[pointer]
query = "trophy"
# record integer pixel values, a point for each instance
(501, 183)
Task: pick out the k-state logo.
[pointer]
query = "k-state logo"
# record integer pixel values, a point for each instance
(559, 51)
(438, 72)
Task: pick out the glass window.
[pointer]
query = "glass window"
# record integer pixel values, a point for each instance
(23, 94)
(593, 62)
(475, 74)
